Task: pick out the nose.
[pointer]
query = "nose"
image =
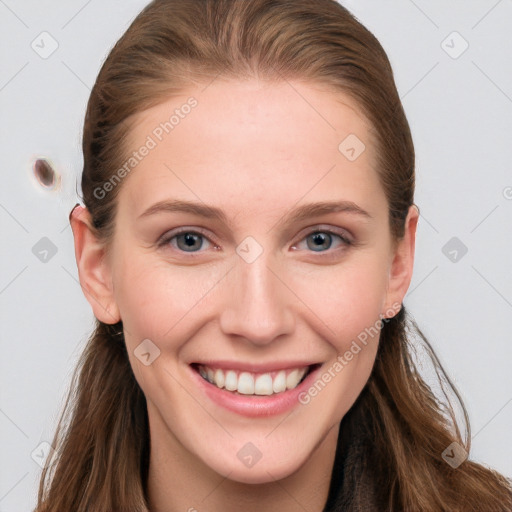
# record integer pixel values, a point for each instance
(258, 303)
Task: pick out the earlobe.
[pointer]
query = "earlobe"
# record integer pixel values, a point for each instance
(93, 270)
(401, 268)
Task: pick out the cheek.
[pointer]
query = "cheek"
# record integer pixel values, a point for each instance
(154, 296)
(346, 298)
(347, 303)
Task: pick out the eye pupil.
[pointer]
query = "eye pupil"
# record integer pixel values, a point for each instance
(190, 241)
(320, 241)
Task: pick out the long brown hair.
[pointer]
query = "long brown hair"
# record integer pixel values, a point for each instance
(396, 432)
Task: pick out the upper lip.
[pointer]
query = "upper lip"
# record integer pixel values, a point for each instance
(255, 367)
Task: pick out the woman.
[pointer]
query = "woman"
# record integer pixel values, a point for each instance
(246, 244)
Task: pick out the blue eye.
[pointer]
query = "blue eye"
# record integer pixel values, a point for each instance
(321, 241)
(186, 241)
(192, 241)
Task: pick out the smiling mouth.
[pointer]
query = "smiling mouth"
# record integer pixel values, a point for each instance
(251, 383)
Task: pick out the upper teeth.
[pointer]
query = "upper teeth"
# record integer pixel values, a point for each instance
(248, 383)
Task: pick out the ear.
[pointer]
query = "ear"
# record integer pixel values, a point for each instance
(401, 267)
(93, 269)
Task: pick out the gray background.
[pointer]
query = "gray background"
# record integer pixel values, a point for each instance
(459, 106)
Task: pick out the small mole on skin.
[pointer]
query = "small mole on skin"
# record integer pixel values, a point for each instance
(45, 174)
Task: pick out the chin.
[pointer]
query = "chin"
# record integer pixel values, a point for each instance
(261, 472)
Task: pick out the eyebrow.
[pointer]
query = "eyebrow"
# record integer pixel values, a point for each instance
(179, 205)
(298, 214)
(322, 208)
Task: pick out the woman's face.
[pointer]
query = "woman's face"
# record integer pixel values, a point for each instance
(249, 274)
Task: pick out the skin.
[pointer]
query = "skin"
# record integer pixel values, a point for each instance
(257, 151)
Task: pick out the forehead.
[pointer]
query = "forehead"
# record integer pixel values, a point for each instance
(249, 145)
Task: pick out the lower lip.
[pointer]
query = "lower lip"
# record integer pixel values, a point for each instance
(255, 405)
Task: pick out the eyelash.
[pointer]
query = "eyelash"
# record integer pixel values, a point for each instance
(166, 239)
